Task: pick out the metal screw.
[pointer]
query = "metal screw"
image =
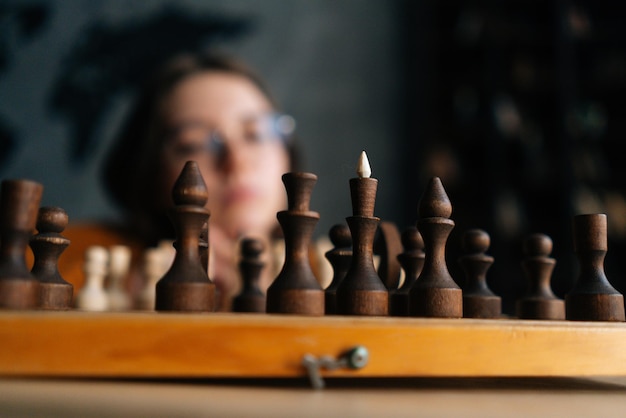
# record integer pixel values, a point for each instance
(355, 358)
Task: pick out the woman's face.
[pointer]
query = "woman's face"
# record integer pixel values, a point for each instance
(224, 122)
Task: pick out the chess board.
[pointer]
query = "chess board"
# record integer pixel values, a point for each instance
(230, 345)
(294, 340)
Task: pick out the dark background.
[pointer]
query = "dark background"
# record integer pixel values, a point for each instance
(518, 105)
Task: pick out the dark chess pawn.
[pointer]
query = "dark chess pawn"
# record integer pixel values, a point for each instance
(478, 300)
(251, 298)
(203, 246)
(539, 302)
(19, 204)
(435, 294)
(412, 261)
(296, 290)
(339, 257)
(186, 286)
(388, 245)
(48, 245)
(592, 298)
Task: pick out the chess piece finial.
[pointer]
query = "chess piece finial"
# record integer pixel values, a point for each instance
(251, 298)
(19, 205)
(435, 202)
(296, 290)
(190, 188)
(48, 245)
(299, 187)
(361, 292)
(592, 297)
(478, 299)
(92, 296)
(186, 285)
(412, 260)
(539, 302)
(435, 294)
(339, 257)
(52, 219)
(364, 170)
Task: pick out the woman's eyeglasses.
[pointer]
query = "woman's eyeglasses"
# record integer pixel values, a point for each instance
(193, 140)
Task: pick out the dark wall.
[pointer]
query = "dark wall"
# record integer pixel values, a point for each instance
(69, 68)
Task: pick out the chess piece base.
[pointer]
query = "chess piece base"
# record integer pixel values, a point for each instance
(481, 306)
(399, 303)
(436, 302)
(364, 302)
(330, 301)
(594, 307)
(19, 293)
(185, 296)
(550, 309)
(296, 301)
(250, 304)
(55, 296)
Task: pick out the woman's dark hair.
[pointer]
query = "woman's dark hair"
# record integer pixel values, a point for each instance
(132, 165)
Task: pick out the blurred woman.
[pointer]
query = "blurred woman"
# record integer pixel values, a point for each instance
(214, 110)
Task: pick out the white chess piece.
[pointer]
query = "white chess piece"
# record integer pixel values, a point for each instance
(157, 261)
(92, 296)
(168, 253)
(119, 265)
(153, 271)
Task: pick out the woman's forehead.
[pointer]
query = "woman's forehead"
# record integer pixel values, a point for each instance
(214, 97)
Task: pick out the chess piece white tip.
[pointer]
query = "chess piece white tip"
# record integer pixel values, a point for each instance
(364, 170)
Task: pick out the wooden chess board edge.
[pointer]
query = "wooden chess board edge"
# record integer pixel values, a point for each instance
(163, 345)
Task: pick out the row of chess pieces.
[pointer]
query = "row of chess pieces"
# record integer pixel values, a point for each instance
(428, 290)
(106, 273)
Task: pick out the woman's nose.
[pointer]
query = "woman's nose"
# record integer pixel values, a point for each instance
(234, 156)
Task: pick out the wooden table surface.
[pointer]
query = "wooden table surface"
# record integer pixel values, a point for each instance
(424, 397)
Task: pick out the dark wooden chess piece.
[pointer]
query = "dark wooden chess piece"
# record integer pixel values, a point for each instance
(592, 297)
(412, 261)
(203, 246)
(296, 290)
(186, 286)
(362, 292)
(48, 245)
(19, 204)
(478, 300)
(387, 245)
(340, 257)
(251, 298)
(434, 293)
(539, 302)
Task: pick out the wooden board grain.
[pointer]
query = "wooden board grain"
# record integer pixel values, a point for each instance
(168, 345)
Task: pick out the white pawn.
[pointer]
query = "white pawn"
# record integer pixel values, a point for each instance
(157, 261)
(119, 265)
(153, 270)
(92, 296)
(168, 253)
